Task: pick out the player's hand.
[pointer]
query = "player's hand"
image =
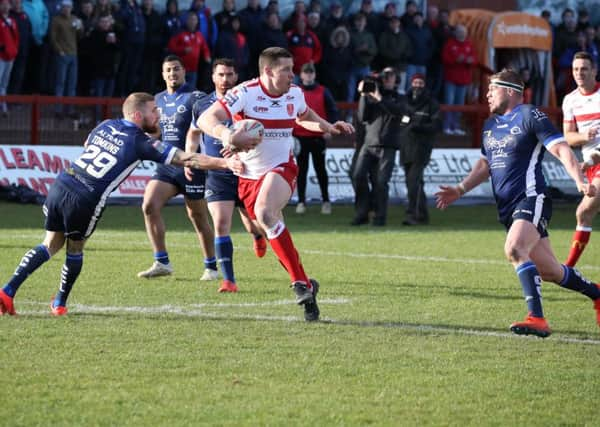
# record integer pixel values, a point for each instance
(340, 127)
(189, 173)
(593, 132)
(446, 196)
(243, 141)
(235, 164)
(586, 189)
(593, 160)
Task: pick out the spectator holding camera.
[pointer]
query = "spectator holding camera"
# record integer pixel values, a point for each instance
(421, 120)
(380, 110)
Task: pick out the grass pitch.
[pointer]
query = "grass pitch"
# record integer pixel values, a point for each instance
(414, 330)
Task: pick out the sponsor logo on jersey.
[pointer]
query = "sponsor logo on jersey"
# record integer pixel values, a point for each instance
(160, 146)
(260, 109)
(275, 103)
(115, 132)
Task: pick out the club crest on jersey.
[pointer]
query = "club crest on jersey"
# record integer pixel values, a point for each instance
(290, 109)
(181, 109)
(516, 130)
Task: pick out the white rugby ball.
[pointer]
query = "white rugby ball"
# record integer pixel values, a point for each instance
(250, 126)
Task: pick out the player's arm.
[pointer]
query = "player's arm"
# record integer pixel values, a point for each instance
(313, 122)
(449, 194)
(575, 138)
(202, 161)
(565, 154)
(211, 123)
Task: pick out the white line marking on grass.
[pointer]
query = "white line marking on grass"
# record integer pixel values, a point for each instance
(109, 238)
(199, 313)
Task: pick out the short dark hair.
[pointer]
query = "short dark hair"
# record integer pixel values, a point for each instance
(271, 55)
(173, 58)
(226, 62)
(584, 55)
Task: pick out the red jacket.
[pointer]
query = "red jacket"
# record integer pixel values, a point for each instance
(458, 59)
(304, 48)
(194, 40)
(9, 38)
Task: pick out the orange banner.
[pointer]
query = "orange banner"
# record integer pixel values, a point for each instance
(515, 30)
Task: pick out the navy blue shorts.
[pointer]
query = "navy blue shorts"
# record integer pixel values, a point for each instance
(222, 187)
(175, 175)
(70, 213)
(537, 210)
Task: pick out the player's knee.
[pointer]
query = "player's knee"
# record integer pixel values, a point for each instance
(513, 252)
(150, 208)
(264, 216)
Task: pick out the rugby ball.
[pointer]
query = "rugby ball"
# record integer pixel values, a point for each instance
(250, 126)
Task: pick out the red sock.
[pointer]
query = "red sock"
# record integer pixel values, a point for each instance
(580, 239)
(288, 256)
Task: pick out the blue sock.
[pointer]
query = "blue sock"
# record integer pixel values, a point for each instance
(210, 263)
(531, 282)
(68, 275)
(224, 251)
(30, 262)
(575, 281)
(162, 257)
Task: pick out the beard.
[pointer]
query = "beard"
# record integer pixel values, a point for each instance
(500, 108)
(149, 127)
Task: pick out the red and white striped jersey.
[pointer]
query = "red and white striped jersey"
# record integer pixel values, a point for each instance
(278, 114)
(584, 111)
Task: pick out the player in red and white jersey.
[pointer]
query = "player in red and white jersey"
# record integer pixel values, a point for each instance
(270, 170)
(581, 126)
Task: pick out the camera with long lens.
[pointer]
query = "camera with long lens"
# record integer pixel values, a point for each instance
(370, 84)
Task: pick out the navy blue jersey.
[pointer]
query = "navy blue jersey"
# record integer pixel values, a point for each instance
(112, 151)
(176, 113)
(210, 146)
(514, 145)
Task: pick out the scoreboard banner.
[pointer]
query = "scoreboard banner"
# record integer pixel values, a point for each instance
(37, 166)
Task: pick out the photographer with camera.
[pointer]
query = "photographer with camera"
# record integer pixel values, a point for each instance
(421, 121)
(380, 109)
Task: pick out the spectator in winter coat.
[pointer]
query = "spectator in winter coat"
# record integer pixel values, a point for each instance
(304, 45)
(227, 12)
(458, 57)
(105, 45)
(190, 46)
(130, 20)
(153, 48)
(9, 47)
(423, 46)
(364, 49)
(232, 44)
(206, 24)
(171, 22)
(24, 29)
(272, 34)
(65, 31)
(252, 18)
(395, 49)
(337, 63)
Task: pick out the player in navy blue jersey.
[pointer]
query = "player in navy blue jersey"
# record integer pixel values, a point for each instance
(222, 185)
(515, 139)
(175, 106)
(77, 198)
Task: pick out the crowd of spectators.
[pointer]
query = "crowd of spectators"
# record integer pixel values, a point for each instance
(104, 48)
